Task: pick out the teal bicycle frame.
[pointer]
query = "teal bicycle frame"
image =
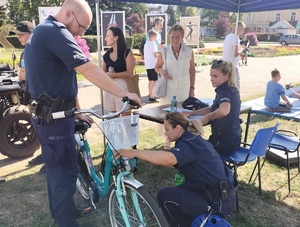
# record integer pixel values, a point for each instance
(103, 184)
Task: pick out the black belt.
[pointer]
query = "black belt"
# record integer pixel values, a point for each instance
(220, 131)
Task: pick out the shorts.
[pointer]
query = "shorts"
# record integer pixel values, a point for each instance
(245, 52)
(114, 103)
(152, 74)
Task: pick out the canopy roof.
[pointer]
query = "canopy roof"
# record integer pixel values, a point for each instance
(241, 6)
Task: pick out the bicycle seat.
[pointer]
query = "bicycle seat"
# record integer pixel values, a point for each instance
(81, 126)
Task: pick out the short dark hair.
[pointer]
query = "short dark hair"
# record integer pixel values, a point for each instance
(275, 72)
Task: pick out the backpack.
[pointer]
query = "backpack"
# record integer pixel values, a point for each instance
(141, 48)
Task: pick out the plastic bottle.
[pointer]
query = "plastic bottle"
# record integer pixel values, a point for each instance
(179, 179)
(174, 104)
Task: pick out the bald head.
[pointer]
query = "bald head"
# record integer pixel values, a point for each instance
(76, 15)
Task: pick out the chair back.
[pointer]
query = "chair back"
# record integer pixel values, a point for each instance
(262, 140)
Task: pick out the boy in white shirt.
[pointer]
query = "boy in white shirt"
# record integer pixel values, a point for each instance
(150, 57)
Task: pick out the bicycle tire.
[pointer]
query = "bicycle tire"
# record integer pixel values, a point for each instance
(150, 210)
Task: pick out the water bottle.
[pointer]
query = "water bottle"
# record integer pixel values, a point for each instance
(174, 104)
(179, 179)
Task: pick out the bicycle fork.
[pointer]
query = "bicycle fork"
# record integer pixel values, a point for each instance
(121, 191)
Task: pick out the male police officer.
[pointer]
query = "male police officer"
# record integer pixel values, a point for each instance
(51, 57)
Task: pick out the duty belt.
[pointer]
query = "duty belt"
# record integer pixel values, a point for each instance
(224, 132)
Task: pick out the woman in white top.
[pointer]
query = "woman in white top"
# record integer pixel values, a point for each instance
(176, 63)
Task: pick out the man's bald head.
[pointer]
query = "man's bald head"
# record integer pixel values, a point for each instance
(75, 15)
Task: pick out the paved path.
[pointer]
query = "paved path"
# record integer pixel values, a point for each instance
(253, 82)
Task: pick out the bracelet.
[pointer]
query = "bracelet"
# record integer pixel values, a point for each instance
(192, 88)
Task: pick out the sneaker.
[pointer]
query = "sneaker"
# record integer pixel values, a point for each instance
(245, 63)
(152, 99)
(36, 161)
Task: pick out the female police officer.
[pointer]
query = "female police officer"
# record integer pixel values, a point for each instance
(224, 114)
(201, 166)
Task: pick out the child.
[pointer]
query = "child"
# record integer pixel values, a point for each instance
(245, 44)
(150, 57)
(273, 94)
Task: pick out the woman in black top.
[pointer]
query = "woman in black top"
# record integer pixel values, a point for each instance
(224, 114)
(118, 63)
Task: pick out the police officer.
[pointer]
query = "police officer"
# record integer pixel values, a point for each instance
(51, 58)
(201, 166)
(224, 114)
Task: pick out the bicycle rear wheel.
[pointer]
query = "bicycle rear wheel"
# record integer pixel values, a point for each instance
(151, 213)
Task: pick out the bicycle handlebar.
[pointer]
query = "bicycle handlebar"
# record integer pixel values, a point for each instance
(73, 112)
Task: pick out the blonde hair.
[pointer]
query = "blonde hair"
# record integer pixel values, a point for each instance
(194, 126)
(225, 67)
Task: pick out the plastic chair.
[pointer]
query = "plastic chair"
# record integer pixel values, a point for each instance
(287, 141)
(258, 148)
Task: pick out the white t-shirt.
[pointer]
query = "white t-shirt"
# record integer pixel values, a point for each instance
(230, 42)
(149, 59)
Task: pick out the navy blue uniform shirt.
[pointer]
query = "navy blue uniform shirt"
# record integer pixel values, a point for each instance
(199, 162)
(230, 94)
(51, 54)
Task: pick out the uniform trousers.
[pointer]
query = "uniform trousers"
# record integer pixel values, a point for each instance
(59, 155)
(182, 205)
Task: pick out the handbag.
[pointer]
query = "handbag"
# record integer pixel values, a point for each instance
(133, 84)
(160, 88)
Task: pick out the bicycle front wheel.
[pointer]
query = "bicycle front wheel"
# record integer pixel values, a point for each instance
(151, 213)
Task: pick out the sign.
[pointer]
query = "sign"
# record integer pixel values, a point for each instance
(149, 22)
(111, 19)
(191, 25)
(45, 12)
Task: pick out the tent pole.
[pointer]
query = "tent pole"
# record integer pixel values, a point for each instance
(99, 48)
(198, 26)
(237, 18)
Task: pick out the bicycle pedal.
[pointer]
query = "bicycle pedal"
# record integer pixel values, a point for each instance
(87, 210)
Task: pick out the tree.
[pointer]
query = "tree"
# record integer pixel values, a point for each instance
(172, 16)
(186, 11)
(3, 15)
(208, 16)
(221, 25)
(137, 25)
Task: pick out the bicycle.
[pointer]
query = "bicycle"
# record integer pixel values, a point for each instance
(128, 202)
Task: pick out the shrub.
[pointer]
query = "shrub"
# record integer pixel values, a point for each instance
(268, 37)
(91, 41)
(137, 38)
(252, 38)
(129, 42)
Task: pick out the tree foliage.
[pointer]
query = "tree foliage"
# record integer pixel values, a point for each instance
(221, 25)
(136, 24)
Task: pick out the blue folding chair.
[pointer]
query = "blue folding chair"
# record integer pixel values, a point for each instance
(257, 149)
(288, 142)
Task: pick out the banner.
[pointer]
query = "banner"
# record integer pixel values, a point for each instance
(149, 24)
(191, 26)
(44, 12)
(111, 19)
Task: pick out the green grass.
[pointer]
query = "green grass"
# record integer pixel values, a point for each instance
(25, 200)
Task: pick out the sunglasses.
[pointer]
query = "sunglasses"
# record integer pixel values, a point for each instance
(218, 62)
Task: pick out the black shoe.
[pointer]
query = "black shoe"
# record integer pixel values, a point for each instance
(36, 161)
(152, 99)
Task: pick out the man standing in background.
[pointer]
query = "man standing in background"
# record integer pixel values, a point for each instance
(158, 26)
(232, 49)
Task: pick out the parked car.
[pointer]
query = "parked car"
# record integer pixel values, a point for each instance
(289, 39)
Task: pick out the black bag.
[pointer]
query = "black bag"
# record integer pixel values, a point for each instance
(141, 48)
(192, 103)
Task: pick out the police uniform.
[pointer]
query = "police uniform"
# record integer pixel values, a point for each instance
(202, 167)
(226, 131)
(51, 54)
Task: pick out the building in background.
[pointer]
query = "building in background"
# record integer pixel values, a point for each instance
(281, 21)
